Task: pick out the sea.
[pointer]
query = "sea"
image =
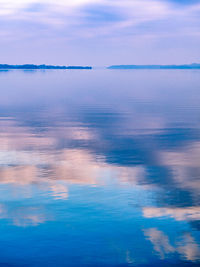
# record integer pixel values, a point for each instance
(99, 167)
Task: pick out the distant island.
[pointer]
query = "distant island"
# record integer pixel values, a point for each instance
(43, 67)
(126, 67)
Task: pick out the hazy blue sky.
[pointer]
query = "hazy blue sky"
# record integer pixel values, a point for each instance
(99, 32)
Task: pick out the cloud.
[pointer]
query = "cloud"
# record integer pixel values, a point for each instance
(28, 158)
(88, 14)
(183, 2)
(160, 242)
(104, 24)
(184, 163)
(187, 247)
(179, 214)
(23, 216)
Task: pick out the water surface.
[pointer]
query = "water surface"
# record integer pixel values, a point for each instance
(100, 168)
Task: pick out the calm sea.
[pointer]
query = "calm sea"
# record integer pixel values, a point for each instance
(100, 168)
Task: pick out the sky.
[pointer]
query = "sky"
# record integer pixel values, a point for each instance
(99, 32)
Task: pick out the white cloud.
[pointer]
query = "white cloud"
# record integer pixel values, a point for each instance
(136, 24)
(160, 242)
(187, 248)
(179, 214)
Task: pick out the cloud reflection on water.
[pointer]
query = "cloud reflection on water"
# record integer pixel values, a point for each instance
(31, 158)
(123, 164)
(187, 247)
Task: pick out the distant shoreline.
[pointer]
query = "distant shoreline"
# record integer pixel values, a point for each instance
(126, 67)
(42, 67)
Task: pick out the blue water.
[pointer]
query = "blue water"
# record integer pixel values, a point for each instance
(100, 168)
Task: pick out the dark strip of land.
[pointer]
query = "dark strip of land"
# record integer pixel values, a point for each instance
(189, 66)
(42, 67)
